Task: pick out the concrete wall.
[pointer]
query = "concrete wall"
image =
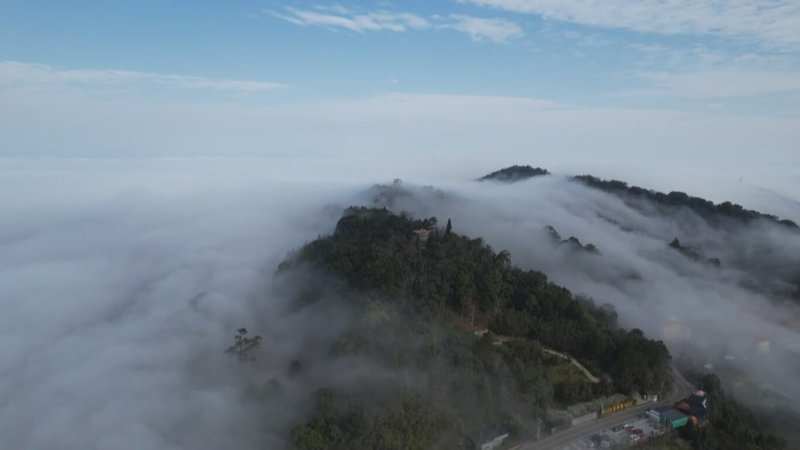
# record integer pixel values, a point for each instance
(494, 443)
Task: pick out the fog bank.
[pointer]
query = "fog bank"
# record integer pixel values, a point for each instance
(123, 281)
(741, 319)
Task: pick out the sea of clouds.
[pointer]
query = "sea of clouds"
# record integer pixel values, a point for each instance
(123, 281)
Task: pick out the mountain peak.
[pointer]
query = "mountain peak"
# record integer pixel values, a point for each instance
(515, 173)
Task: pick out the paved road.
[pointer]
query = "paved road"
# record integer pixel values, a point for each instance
(560, 440)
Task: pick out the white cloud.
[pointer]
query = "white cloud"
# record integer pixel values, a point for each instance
(723, 83)
(20, 73)
(701, 57)
(434, 130)
(702, 72)
(374, 21)
(123, 280)
(333, 8)
(239, 85)
(477, 28)
(773, 22)
(122, 347)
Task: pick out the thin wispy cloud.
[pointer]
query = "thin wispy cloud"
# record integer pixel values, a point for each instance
(724, 83)
(360, 23)
(333, 8)
(29, 74)
(701, 71)
(771, 22)
(700, 56)
(480, 29)
(337, 17)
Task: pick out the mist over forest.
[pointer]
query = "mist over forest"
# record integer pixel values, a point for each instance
(419, 225)
(683, 299)
(122, 284)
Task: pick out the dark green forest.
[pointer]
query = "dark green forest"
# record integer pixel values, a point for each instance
(418, 297)
(515, 173)
(693, 253)
(705, 208)
(572, 242)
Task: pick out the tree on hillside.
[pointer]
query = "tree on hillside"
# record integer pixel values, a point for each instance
(244, 347)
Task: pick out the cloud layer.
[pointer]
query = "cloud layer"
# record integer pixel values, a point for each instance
(422, 127)
(123, 284)
(774, 23)
(124, 280)
(477, 28)
(705, 314)
(28, 74)
(724, 83)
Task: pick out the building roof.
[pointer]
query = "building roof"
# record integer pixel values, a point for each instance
(422, 234)
(696, 399)
(698, 406)
(673, 414)
(697, 411)
(663, 409)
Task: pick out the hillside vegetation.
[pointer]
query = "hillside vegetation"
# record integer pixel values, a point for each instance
(515, 173)
(705, 208)
(417, 298)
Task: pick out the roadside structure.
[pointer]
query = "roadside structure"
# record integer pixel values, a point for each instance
(490, 440)
(668, 416)
(695, 407)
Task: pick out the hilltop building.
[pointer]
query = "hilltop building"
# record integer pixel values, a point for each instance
(422, 234)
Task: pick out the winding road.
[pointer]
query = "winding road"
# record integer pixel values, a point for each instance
(575, 363)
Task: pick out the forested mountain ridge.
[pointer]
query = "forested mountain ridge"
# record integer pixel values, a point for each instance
(422, 278)
(753, 243)
(376, 250)
(703, 207)
(515, 173)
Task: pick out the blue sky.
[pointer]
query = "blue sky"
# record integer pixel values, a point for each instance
(254, 76)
